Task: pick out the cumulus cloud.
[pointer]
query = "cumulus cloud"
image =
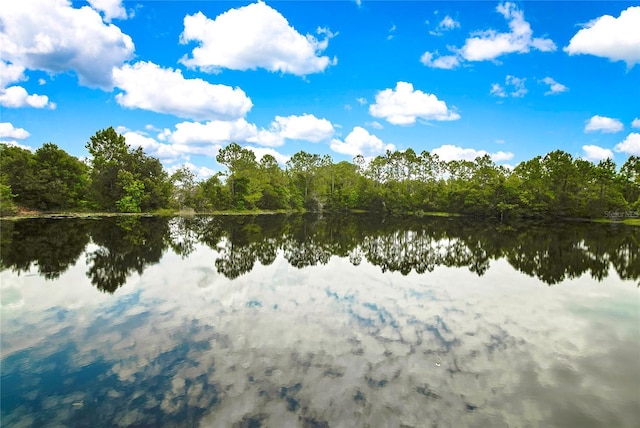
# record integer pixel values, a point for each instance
(449, 152)
(168, 151)
(516, 84)
(603, 124)
(434, 60)
(251, 37)
(447, 24)
(630, 145)
(111, 9)
(403, 105)
(635, 123)
(13, 143)
(215, 131)
(306, 127)
(17, 96)
(261, 151)
(616, 39)
(491, 44)
(53, 36)
(595, 153)
(554, 87)
(164, 90)
(201, 172)
(10, 73)
(7, 130)
(360, 142)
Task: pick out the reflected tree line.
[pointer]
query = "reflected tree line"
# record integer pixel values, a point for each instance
(115, 248)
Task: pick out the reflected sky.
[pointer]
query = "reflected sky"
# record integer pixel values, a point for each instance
(335, 343)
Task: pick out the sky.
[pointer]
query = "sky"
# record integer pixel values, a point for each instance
(183, 79)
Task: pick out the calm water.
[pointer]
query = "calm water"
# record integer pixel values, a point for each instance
(281, 321)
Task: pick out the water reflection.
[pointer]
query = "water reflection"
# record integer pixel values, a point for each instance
(125, 245)
(299, 321)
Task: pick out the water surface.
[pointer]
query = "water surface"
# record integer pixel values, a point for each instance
(299, 321)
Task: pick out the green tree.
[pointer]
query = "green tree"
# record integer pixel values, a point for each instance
(302, 169)
(133, 193)
(18, 172)
(629, 179)
(242, 166)
(123, 177)
(62, 179)
(109, 152)
(7, 206)
(184, 182)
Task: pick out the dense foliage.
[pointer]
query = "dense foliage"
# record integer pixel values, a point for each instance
(120, 178)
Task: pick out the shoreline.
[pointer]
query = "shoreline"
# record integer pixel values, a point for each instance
(190, 213)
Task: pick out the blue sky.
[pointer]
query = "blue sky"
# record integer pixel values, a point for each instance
(461, 79)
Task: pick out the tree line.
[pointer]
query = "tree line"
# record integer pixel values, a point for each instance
(119, 178)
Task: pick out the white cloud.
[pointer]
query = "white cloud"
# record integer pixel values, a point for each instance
(17, 96)
(596, 153)
(603, 124)
(360, 142)
(266, 138)
(306, 127)
(375, 125)
(10, 73)
(404, 104)
(448, 152)
(617, 39)
(391, 31)
(261, 151)
(446, 24)
(501, 156)
(446, 62)
(635, 123)
(201, 172)
(212, 132)
(554, 87)
(53, 36)
(164, 90)
(630, 145)
(250, 37)
(361, 101)
(489, 44)
(498, 90)
(112, 9)
(170, 152)
(7, 130)
(220, 132)
(517, 90)
(13, 143)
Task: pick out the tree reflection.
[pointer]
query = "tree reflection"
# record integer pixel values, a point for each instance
(124, 245)
(50, 244)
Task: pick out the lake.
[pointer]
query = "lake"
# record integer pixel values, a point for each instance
(287, 321)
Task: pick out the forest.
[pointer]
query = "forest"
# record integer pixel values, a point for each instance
(120, 178)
